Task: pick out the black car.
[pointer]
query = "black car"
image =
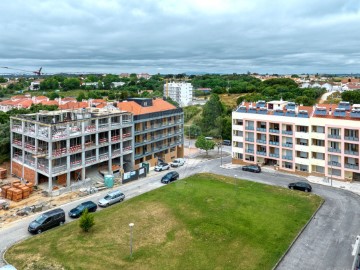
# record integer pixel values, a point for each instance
(252, 168)
(169, 177)
(47, 221)
(78, 210)
(301, 186)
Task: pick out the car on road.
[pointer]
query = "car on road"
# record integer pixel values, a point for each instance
(303, 186)
(78, 210)
(111, 198)
(169, 177)
(226, 142)
(47, 220)
(252, 168)
(162, 167)
(177, 162)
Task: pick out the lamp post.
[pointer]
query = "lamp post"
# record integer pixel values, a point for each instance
(131, 225)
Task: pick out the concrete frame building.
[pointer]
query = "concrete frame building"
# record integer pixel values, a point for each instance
(322, 140)
(158, 130)
(181, 92)
(60, 147)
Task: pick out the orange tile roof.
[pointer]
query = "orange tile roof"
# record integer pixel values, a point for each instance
(18, 97)
(68, 99)
(25, 103)
(49, 102)
(159, 105)
(98, 100)
(101, 105)
(41, 97)
(73, 105)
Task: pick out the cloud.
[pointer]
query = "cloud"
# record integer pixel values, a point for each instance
(179, 36)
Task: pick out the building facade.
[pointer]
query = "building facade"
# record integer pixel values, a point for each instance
(61, 147)
(321, 140)
(181, 92)
(158, 130)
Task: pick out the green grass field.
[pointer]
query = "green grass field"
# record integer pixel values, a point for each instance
(202, 222)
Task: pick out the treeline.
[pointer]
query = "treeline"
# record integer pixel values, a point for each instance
(5, 126)
(254, 89)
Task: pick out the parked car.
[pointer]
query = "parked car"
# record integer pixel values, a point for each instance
(226, 142)
(111, 198)
(169, 177)
(78, 210)
(162, 167)
(177, 162)
(47, 221)
(301, 186)
(252, 168)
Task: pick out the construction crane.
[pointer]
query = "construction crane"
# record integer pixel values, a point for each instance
(37, 72)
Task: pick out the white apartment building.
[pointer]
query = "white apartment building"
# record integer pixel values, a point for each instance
(322, 140)
(181, 92)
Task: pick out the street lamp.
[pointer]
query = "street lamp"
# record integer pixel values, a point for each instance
(131, 225)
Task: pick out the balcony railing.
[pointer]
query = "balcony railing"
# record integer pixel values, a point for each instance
(289, 145)
(334, 150)
(57, 169)
(334, 163)
(17, 142)
(287, 157)
(249, 139)
(43, 167)
(261, 129)
(350, 138)
(251, 151)
(249, 127)
(116, 152)
(75, 148)
(349, 152)
(261, 141)
(352, 166)
(103, 156)
(127, 148)
(332, 136)
(287, 132)
(90, 160)
(274, 155)
(261, 153)
(273, 143)
(271, 130)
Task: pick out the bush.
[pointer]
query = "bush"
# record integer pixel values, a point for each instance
(86, 221)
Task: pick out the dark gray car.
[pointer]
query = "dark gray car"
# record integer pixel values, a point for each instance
(47, 221)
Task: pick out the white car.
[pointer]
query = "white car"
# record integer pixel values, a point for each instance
(162, 167)
(177, 162)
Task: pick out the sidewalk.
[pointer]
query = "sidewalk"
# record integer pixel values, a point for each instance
(353, 187)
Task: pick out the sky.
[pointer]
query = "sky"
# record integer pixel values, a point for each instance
(187, 36)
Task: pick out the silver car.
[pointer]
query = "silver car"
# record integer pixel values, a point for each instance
(111, 198)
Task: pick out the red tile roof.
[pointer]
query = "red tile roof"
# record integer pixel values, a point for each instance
(73, 105)
(159, 105)
(49, 102)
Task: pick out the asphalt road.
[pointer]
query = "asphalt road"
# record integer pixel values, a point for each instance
(324, 244)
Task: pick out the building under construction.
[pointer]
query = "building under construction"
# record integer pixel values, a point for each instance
(60, 147)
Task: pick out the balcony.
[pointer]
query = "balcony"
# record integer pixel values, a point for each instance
(17, 142)
(103, 156)
(249, 128)
(249, 139)
(43, 168)
(271, 130)
(332, 136)
(115, 138)
(274, 155)
(127, 148)
(334, 150)
(90, 160)
(334, 163)
(75, 148)
(287, 157)
(349, 152)
(261, 141)
(261, 129)
(273, 143)
(57, 169)
(287, 132)
(251, 151)
(261, 153)
(352, 166)
(289, 145)
(90, 128)
(29, 147)
(116, 153)
(349, 138)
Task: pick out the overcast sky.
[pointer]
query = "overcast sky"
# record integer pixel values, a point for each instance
(175, 36)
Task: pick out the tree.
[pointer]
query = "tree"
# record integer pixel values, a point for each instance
(81, 96)
(71, 84)
(204, 144)
(86, 221)
(53, 95)
(212, 110)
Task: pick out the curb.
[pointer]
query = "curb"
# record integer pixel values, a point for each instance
(297, 236)
(6, 249)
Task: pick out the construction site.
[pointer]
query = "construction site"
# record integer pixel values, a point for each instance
(59, 149)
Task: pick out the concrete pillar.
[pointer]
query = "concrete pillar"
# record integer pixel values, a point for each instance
(110, 153)
(11, 148)
(83, 173)
(50, 162)
(22, 149)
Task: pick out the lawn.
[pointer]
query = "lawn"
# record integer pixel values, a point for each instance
(202, 222)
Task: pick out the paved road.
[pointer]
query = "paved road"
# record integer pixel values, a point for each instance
(325, 243)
